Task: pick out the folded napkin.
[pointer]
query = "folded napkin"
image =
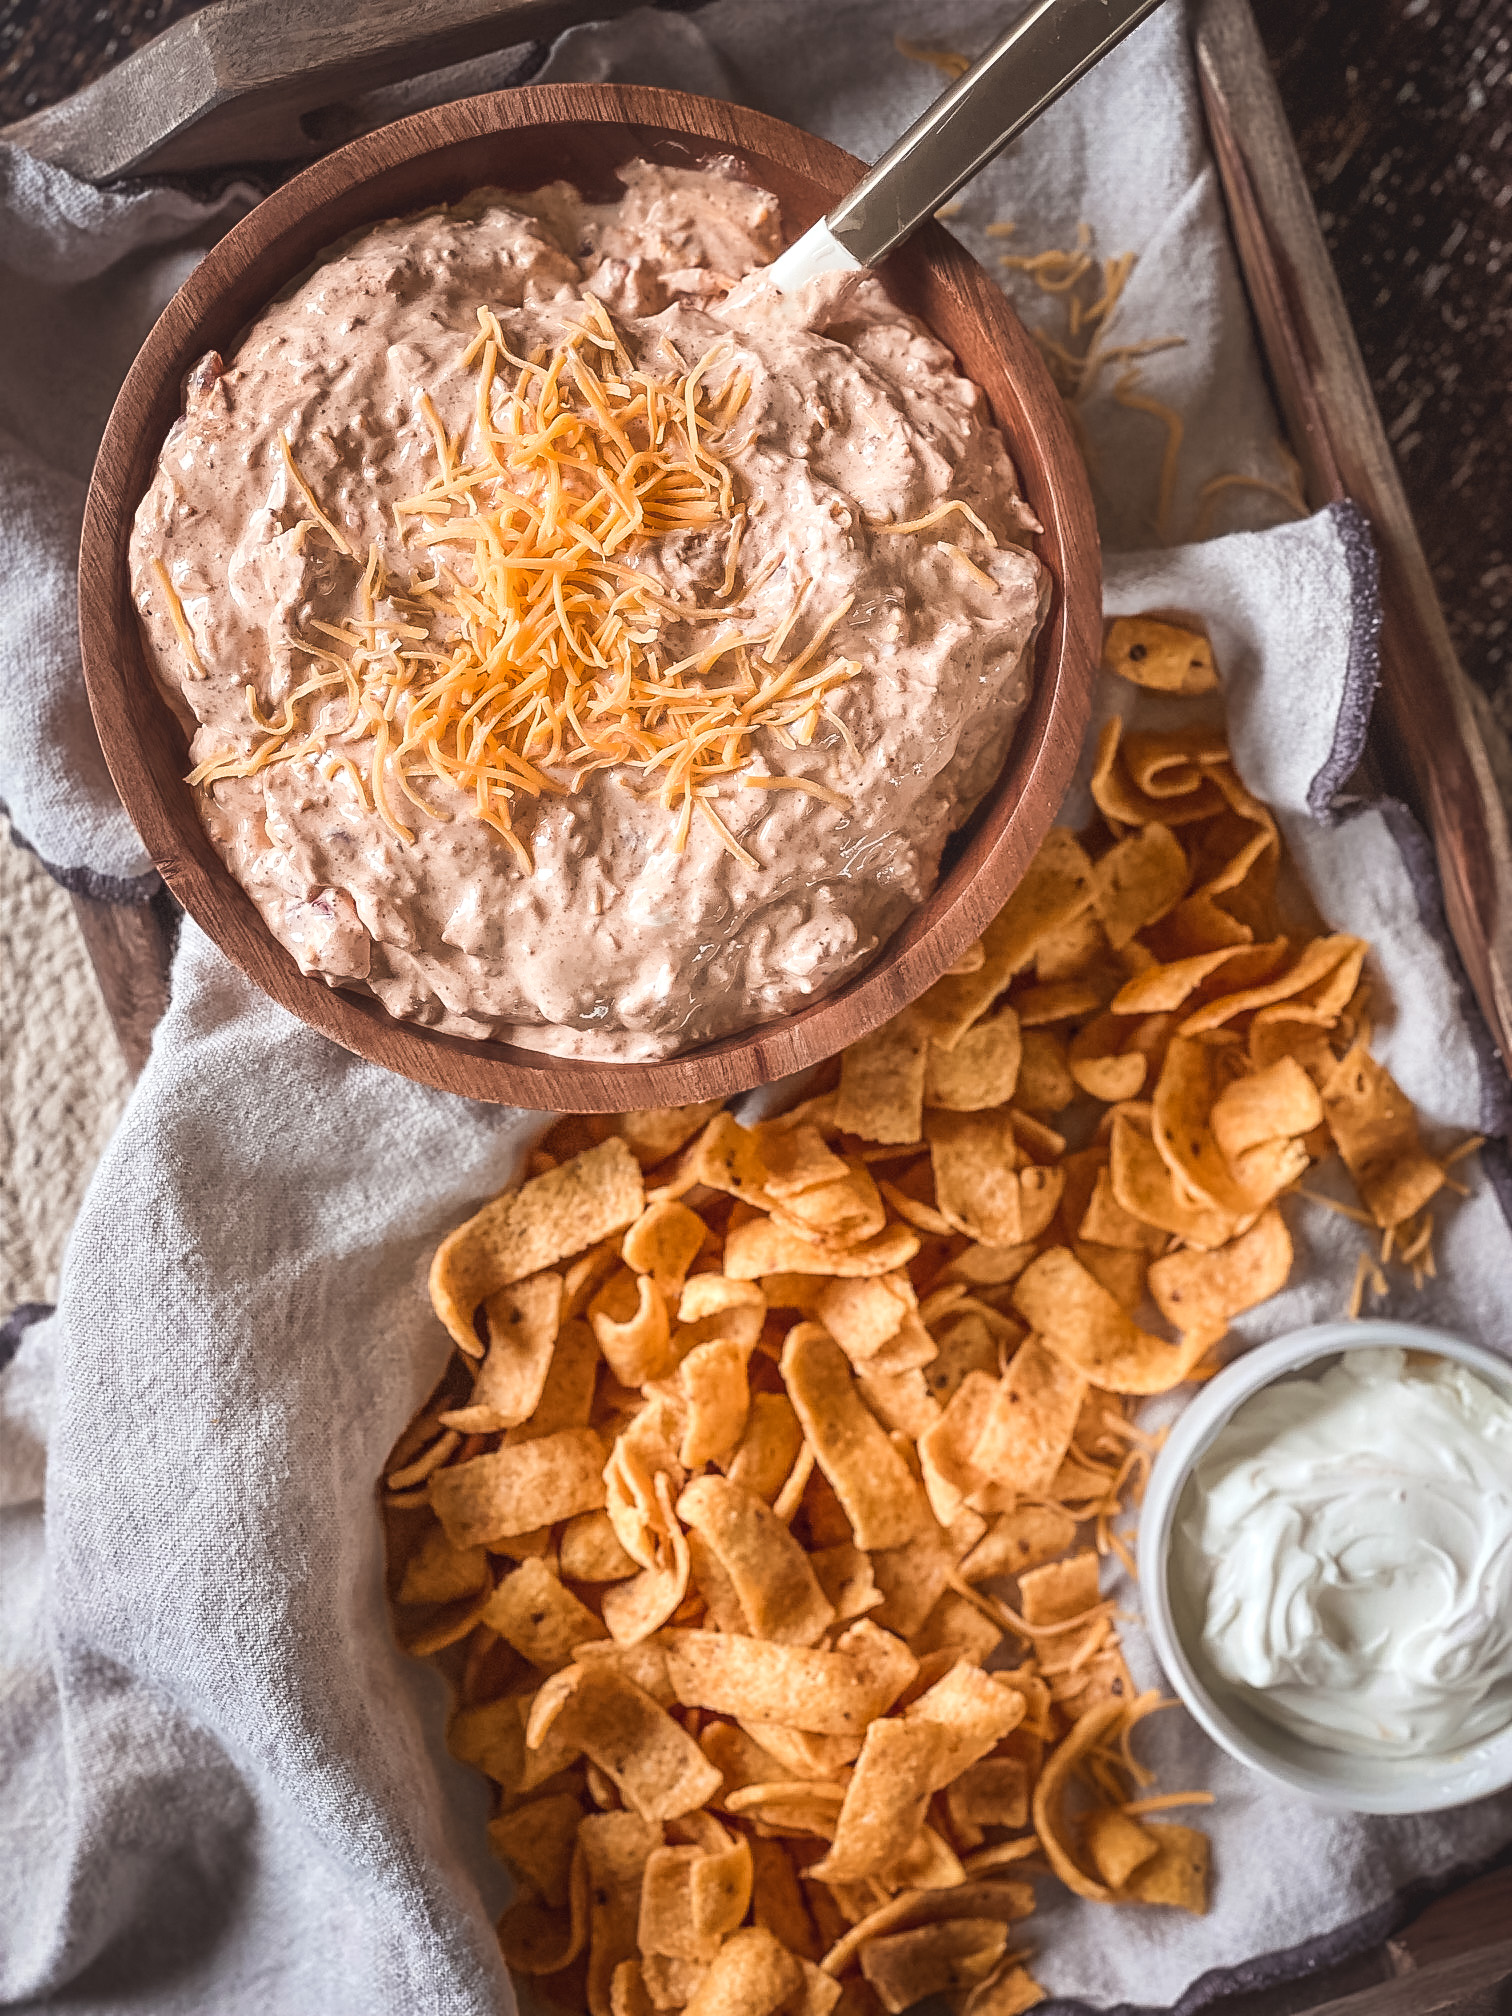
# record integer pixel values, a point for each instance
(221, 1784)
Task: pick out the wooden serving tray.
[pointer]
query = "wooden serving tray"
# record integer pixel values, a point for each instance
(1454, 1957)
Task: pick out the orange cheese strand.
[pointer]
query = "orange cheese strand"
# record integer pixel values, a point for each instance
(532, 644)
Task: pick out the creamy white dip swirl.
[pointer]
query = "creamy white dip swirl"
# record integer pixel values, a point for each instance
(1347, 1545)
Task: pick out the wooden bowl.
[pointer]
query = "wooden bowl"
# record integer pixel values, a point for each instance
(518, 140)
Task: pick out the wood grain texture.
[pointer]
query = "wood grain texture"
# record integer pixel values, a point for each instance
(519, 139)
(1429, 738)
(130, 948)
(1479, 1914)
(240, 80)
(1472, 1984)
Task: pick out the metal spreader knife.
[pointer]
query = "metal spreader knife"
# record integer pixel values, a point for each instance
(1004, 91)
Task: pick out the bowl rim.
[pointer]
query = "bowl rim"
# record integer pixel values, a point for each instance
(1398, 1785)
(129, 707)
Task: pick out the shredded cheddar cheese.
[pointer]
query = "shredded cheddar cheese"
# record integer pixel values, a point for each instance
(179, 620)
(933, 518)
(1218, 486)
(1092, 289)
(331, 531)
(810, 787)
(532, 646)
(964, 559)
(1142, 402)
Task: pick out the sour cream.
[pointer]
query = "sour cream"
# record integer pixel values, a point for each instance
(1346, 1543)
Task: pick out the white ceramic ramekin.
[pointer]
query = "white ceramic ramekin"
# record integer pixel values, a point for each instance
(1333, 1777)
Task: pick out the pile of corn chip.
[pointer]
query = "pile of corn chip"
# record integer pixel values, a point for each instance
(758, 1520)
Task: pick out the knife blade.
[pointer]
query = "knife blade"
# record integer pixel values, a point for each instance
(1043, 54)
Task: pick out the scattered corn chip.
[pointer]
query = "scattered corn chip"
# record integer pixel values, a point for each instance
(992, 1793)
(751, 1976)
(664, 1242)
(882, 1082)
(632, 1328)
(438, 1572)
(659, 1131)
(976, 1162)
(1028, 1429)
(589, 1550)
(1145, 1185)
(517, 1489)
(1159, 655)
(1045, 1084)
(981, 1070)
(1376, 1132)
(658, 1768)
(1009, 1992)
(536, 1938)
(1082, 1323)
(541, 1618)
(634, 1609)
(537, 1841)
(693, 1897)
(567, 1397)
(768, 1447)
(882, 1502)
(1099, 1063)
(885, 1801)
(717, 1397)
(1123, 804)
(1060, 1590)
(1180, 1117)
(523, 1321)
(831, 1693)
(761, 1247)
(1116, 1845)
(1137, 882)
(1199, 1294)
(773, 1580)
(905, 1967)
(546, 1220)
(1176, 1874)
(1019, 1539)
(1317, 962)
(616, 1849)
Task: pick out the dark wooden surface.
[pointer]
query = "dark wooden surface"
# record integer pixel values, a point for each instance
(1473, 1984)
(586, 130)
(1479, 1913)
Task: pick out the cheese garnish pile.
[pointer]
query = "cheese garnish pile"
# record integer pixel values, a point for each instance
(533, 646)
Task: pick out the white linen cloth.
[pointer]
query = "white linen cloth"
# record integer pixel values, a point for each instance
(221, 1784)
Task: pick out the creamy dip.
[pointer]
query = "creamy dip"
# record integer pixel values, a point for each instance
(1348, 1547)
(603, 925)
